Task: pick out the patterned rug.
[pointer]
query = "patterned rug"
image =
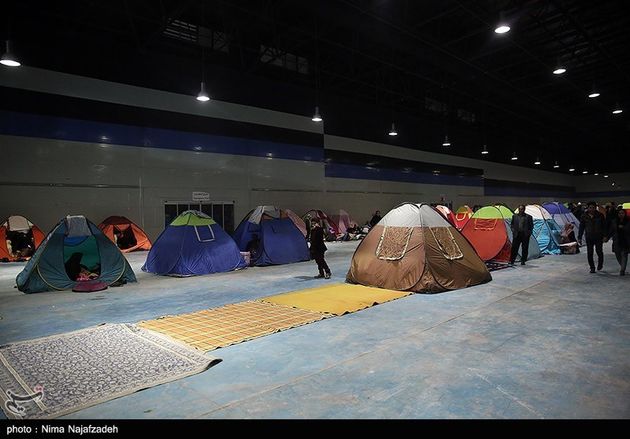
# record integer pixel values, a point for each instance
(53, 376)
(230, 324)
(336, 299)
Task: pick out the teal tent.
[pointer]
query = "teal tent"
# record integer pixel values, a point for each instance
(74, 249)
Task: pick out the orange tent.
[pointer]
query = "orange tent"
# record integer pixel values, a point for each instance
(125, 234)
(19, 238)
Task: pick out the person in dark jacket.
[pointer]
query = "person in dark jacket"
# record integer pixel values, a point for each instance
(375, 218)
(620, 233)
(318, 248)
(593, 225)
(522, 227)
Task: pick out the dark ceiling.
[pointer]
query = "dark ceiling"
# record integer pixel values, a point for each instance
(431, 66)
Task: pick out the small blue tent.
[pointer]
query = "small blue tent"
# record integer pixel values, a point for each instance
(73, 244)
(193, 244)
(272, 237)
(546, 230)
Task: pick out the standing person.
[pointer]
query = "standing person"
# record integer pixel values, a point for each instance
(375, 218)
(318, 248)
(522, 227)
(593, 224)
(620, 234)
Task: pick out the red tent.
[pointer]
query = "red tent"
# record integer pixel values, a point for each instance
(462, 215)
(19, 238)
(125, 234)
(446, 213)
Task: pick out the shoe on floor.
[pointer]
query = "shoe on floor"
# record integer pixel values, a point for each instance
(522, 263)
(319, 276)
(592, 270)
(599, 268)
(327, 276)
(511, 263)
(622, 273)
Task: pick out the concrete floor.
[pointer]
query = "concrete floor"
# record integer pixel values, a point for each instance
(548, 340)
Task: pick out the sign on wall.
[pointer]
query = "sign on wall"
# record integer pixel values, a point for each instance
(200, 196)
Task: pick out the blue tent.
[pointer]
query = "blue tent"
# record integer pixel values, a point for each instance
(271, 237)
(73, 245)
(193, 244)
(546, 230)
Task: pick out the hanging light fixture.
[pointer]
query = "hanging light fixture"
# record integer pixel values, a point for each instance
(502, 26)
(317, 117)
(446, 141)
(485, 151)
(393, 131)
(617, 109)
(514, 156)
(8, 59)
(594, 93)
(203, 95)
(560, 69)
(556, 165)
(537, 162)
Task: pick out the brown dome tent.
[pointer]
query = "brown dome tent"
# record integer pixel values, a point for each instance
(127, 235)
(19, 238)
(413, 248)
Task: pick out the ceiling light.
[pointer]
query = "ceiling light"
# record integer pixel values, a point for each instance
(593, 95)
(597, 173)
(393, 131)
(203, 95)
(514, 156)
(446, 141)
(502, 29)
(317, 117)
(617, 109)
(8, 59)
(559, 71)
(502, 26)
(485, 150)
(571, 169)
(584, 172)
(556, 165)
(605, 175)
(537, 162)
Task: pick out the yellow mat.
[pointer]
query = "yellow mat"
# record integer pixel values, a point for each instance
(230, 324)
(336, 299)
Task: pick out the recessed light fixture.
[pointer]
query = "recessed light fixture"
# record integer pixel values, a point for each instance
(393, 131)
(514, 156)
(584, 172)
(559, 71)
(446, 141)
(596, 173)
(571, 169)
(593, 95)
(537, 162)
(485, 150)
(617, 109)
(556, 165)
(605, 175)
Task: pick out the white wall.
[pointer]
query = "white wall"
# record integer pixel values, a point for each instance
(48, 179)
